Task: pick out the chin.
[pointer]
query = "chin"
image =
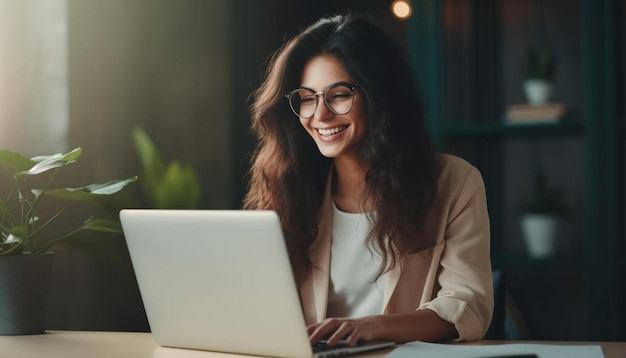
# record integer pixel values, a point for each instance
(328, 155)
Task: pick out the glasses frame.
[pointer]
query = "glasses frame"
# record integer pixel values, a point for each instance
(323, 93)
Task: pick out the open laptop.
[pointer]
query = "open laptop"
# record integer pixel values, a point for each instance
(220, 281)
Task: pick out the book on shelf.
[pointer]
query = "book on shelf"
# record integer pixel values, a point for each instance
(525, 113)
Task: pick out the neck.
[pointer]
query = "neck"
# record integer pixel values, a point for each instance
(348, 185)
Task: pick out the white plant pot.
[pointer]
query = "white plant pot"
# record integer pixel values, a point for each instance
(538, 92)
(541, 233)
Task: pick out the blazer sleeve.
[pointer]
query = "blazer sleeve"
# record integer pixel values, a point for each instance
(465, 297)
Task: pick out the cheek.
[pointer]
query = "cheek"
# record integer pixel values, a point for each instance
(306, 125)
(360, 112)
(361, 119)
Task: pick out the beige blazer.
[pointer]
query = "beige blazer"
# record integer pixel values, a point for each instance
(453, 278)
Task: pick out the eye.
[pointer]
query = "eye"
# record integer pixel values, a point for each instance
(340, 95)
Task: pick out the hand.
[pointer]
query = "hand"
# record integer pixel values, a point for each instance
(352, 330)
(423, 325)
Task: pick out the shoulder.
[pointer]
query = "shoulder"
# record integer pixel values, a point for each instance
(459, 182)
(453, 169)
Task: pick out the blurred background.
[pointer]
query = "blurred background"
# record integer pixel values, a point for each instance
(86, 73)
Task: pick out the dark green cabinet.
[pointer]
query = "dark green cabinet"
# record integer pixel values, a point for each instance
(468, 60)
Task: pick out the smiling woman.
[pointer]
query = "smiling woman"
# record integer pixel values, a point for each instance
(33, 76)
(388, 240)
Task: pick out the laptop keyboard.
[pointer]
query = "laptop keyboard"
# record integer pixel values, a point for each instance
(322, 346)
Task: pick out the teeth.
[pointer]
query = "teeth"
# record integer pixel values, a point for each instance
(329, 132)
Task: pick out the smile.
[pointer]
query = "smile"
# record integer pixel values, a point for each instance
(330, 131)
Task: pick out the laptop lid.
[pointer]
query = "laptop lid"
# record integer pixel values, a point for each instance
(217, 281)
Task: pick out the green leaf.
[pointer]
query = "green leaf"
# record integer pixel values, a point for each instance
(18, 232)
(15, 160)
(89, 191)
(151, 161)
(103, 225)
(111, 187)
(179, 189)
(45, 163)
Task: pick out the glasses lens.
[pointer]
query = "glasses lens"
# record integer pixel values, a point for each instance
(303, 103)
(339, 99)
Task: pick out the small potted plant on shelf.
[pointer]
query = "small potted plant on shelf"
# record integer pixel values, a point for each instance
(540, 67)
(541, 216)
(25, 235)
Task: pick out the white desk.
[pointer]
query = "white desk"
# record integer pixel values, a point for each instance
(71, 344)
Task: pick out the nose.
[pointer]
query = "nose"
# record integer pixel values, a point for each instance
(322, 112)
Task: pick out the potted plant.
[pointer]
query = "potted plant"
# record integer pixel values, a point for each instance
(541, 216)
(540, 67)
(25, 241)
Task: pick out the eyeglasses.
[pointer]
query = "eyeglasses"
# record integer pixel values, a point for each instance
(338, 97)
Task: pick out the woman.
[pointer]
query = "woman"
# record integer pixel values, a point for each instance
(387, 240)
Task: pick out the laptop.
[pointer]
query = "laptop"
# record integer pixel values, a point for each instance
(220, 281)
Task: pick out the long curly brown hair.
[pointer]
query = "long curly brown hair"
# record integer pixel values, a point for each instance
(288, 173)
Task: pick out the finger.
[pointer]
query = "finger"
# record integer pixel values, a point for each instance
(311, 328)
(323, 329)
(344, 330)
(354, 336)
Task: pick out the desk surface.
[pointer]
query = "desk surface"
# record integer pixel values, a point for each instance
(70, 344)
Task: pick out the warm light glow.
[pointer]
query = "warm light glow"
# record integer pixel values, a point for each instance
(401, 9)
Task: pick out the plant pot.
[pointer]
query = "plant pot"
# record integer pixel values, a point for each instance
(541, 233)
(537, 91)
(24, 284)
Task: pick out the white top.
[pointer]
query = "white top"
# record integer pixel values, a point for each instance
(353, 268)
